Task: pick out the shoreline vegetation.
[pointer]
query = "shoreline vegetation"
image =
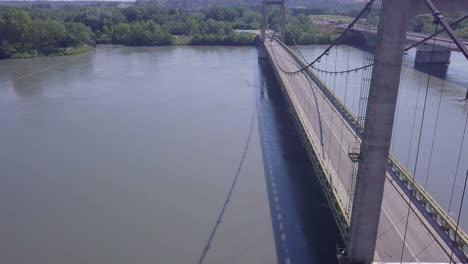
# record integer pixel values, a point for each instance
(34, 31)
(59, 52)
(27, 32)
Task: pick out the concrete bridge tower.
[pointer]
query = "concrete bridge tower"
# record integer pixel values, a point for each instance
(394, 19)
(282, 21)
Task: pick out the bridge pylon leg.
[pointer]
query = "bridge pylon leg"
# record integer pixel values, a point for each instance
(282, 21)
(377, 133)
(264, 20)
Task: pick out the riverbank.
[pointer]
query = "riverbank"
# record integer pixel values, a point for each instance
(28, 35)
(60, 52)
(244, 39)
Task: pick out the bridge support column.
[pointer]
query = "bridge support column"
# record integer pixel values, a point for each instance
(365, 216)
(282, 20)
(262, 53)
(428, 54)
(264, 25)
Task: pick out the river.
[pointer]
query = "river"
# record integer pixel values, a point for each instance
(126, 155)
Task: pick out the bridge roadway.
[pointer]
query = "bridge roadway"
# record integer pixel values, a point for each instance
(331, 137)
(413, 37)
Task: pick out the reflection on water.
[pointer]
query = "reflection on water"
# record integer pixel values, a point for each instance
(125, 155)
(122, 155)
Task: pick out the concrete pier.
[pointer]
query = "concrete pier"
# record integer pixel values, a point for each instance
(432, 55)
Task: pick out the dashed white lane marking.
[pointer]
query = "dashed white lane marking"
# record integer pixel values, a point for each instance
(281, 226)
(283, 236)
(287, 260)
(279, 216)
(276, 199)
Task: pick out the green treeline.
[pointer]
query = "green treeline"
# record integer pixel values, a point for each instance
(301, 30)
(23, 35)
(34, 31)
(28, 32)
(424, 24)
(149, 25)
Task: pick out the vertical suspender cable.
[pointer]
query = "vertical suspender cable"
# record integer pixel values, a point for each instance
(458, 165)
(410, 145)
(459, 213)
(413, 180)
(434, 134)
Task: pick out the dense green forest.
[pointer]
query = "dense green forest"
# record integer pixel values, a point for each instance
(30, 31)
(35, 31)
(425, 24)
(27, 32)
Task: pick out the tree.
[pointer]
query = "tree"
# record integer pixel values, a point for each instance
(121, 33)
(77, 33)
(421, 24)
(139, 36)
(47, 34)
(16, 26)
(463, 33)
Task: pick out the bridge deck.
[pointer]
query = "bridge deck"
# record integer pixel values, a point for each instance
(332, 137)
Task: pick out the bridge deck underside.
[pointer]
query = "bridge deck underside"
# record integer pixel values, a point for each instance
(333, 138)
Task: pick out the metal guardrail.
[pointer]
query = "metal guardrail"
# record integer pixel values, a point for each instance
(438, 215)
(423, 198)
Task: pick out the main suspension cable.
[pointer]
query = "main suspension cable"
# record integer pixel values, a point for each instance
(434, 133)
(336, 41)
(406, 50)
(295, 44)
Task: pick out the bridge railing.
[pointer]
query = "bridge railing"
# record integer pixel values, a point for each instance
(433, 212)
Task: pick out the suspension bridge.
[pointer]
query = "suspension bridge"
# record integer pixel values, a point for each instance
(383, 213)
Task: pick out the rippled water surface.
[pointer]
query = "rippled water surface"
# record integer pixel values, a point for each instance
(126, 155)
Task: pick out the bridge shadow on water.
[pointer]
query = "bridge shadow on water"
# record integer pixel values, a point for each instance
(303, 224)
